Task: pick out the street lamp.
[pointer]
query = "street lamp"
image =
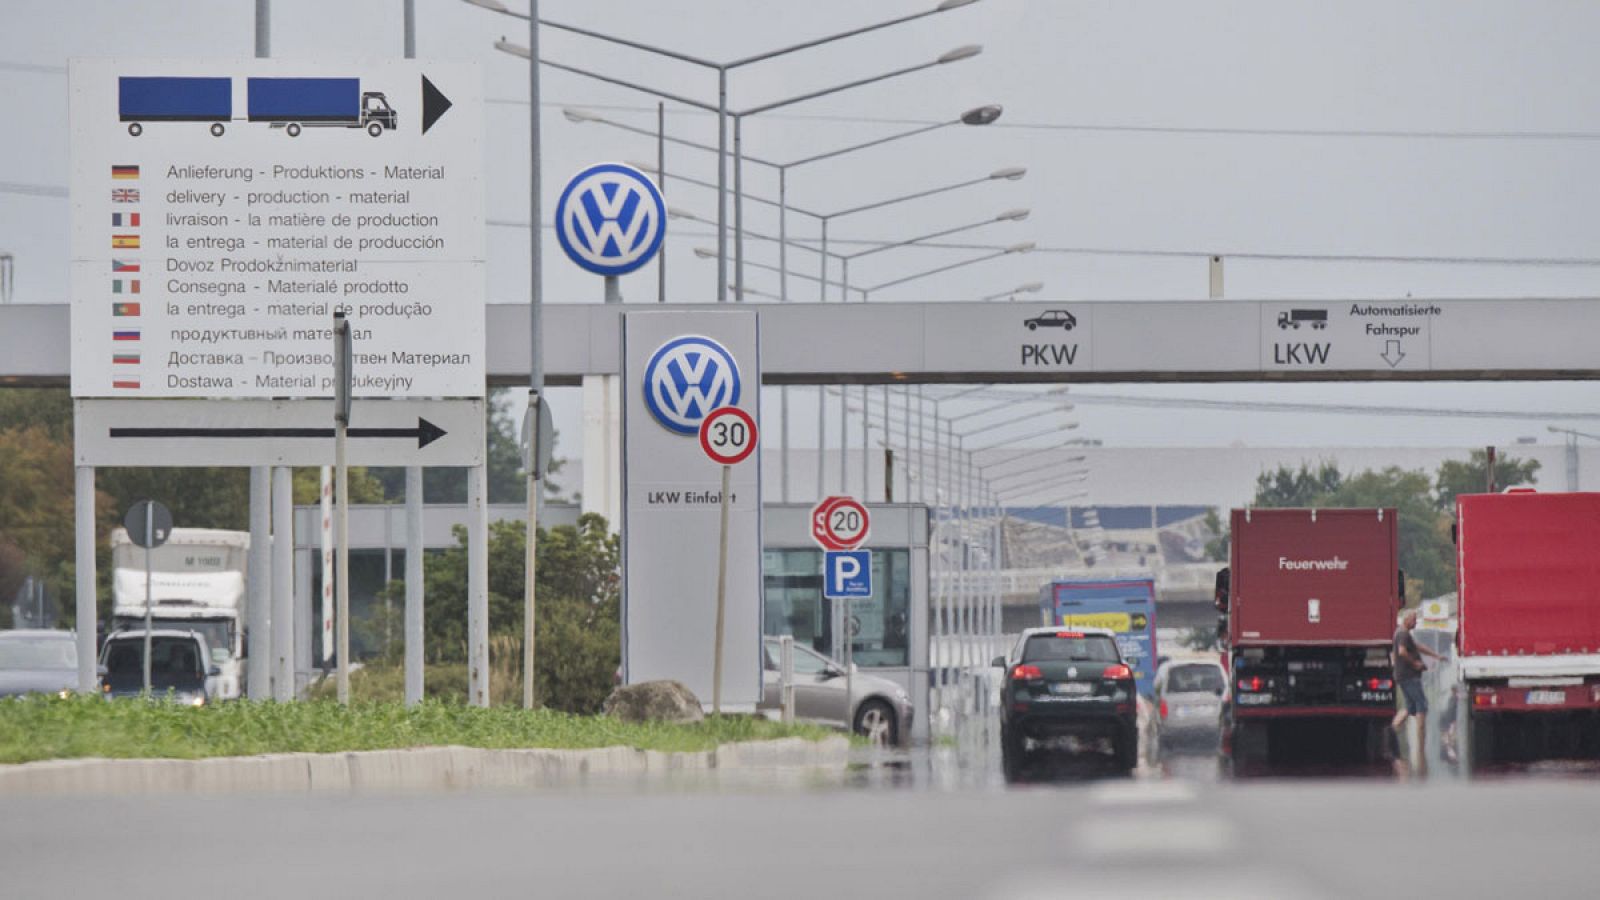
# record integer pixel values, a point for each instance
(721, 68)
(1014, 248)
(1010, 215)
(976, 116)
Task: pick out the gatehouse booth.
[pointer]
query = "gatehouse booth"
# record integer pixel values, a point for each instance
(890, 628)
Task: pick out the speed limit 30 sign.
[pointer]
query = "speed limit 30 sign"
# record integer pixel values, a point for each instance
(839, 523)
(728, 435)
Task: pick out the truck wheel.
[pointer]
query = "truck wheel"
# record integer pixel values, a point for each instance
(293, 129)
(136, 129)
(375, 129)
(217, 129)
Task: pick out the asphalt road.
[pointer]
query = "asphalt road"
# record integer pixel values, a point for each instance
(890, 830)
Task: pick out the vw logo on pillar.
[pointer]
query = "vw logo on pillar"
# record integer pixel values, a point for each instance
(686, 378)
(610, 219)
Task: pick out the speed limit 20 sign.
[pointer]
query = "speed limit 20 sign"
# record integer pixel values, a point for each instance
(839, 523)
(728, 435)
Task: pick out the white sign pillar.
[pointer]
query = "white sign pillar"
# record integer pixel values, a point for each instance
(677, 368)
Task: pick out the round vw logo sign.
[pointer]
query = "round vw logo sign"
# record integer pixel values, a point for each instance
(686, 378)
(610, 219)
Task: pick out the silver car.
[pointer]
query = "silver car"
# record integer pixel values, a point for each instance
(38, 662)
(1189, 698)
(878, 709)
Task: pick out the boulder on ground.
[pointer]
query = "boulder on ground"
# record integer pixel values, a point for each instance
(654, 701)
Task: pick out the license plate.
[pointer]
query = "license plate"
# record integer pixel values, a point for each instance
(1071, 687)
(1546, 698)
(1253, 699)
(1196, 712)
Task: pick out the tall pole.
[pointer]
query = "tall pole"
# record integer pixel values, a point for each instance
(783, 297)
(783, 440)
(258, 665)
(149, 539)
(661, 173)
(263, 28)
(83, 553)
(866, 443)
(844, 439)
(341, 490)
(536, 363)
(722, 181)
(783, 234)
(414, 614)
(738, 208)
(414, 539)
(822, 439)
(258, 615)
(282, 584)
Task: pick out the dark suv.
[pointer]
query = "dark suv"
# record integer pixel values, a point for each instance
(1067, 690)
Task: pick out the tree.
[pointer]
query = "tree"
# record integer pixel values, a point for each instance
(1471, 477)
(1286, 488)
(579, 606)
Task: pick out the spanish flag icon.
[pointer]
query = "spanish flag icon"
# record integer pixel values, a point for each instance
(124, 242)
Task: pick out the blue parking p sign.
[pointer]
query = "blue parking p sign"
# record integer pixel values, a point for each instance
(846, 574)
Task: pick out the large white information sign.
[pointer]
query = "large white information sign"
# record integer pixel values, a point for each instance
(678, 368)
(224, 209)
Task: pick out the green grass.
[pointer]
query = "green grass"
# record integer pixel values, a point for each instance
(36, 728)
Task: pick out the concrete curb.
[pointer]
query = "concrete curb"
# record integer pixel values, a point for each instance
(419, 769)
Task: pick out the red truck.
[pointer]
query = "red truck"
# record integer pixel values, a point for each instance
(1528, 632)
(1309, 602)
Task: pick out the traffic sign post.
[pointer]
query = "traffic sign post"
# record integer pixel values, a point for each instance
(148, 523)
(728, 436)
(839, 525)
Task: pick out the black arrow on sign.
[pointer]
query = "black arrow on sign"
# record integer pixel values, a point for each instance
(434, 104)
(426, 432)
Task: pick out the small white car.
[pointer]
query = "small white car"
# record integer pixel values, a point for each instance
(1190, 695)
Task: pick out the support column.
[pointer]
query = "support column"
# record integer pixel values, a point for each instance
(88, 608)
(477, 586)
(414, 551)
(258, 610)
(602, 447)
(282, 584)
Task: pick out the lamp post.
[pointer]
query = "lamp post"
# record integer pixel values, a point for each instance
(1014, 248)
(976, 116)
(722, 68)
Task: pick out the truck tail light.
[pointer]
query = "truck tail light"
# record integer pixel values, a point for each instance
(1253, 683)
(1379, 684)
(1117, 672)
(1163, 709)
(1027, 673)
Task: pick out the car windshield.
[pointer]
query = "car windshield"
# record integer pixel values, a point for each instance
(174, 662)
(17, 652)
(1194, 679)
(217, 632)
(1065, 646)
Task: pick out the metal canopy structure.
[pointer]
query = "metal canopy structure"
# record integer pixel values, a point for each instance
(1533, 339)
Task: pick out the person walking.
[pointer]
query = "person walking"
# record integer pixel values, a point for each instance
(1408, 669)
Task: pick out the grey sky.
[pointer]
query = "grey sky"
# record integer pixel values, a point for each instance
(1421, 67)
